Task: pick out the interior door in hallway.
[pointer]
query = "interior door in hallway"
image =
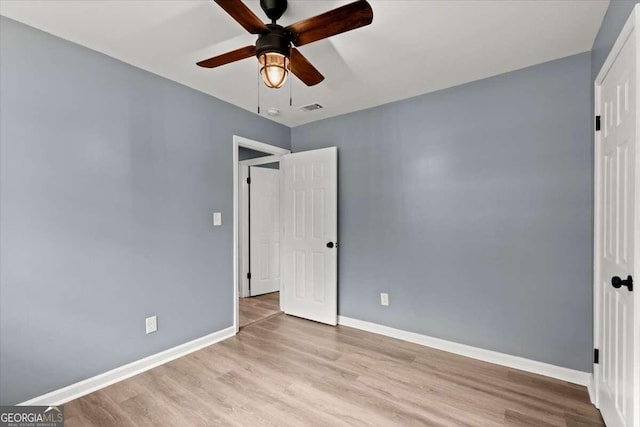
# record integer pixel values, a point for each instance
(616, 244)
(264, 229)
(310, 232)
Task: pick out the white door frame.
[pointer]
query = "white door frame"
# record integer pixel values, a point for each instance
(238, 142)
(243, 230)
(630, 29)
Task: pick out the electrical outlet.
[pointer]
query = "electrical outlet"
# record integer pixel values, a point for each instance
(384, 298)
(151, 324)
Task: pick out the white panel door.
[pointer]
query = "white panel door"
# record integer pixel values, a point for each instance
(264, 230)
(617, 219)
(310, 232)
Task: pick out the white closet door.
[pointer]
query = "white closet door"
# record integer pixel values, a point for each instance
(617, 222)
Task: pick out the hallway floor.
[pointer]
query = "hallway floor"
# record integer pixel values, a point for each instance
(255, 309)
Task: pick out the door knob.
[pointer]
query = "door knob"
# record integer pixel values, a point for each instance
(331, 245)
(617, 282)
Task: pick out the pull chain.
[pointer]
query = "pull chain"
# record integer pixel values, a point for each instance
(290, 77)
(258, 91)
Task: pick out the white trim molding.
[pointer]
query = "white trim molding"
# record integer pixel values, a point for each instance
(79, 389)
(591, 390)
(516, 362)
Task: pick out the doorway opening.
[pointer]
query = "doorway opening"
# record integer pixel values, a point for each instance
(259, 213)
(257, 182)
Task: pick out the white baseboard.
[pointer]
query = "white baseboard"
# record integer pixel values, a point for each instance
(74, 391)
(516, 362)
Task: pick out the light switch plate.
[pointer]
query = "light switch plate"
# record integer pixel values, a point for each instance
(384, 298)
(217, 219)
(151, 324)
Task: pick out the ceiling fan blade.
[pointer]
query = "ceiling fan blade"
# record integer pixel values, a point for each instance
(243, 15)
(346, 18)
(302, 68)
(226, 58)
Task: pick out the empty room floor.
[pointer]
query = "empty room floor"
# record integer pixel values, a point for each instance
(290, 371)
(254, 309)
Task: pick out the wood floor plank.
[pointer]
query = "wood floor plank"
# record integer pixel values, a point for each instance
(260, 369)
(78, 421)
(518, 419)
(286, 371)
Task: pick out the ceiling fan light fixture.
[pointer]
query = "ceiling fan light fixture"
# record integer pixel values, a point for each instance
(274, 47)
(274, 68)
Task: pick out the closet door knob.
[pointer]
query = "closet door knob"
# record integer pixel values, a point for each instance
(617, 282)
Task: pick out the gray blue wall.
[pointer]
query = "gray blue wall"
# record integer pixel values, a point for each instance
(109, 176)
(472, 207)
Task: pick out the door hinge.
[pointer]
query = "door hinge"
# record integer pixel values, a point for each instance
(249, 180)
(597, 123)
(596, 355)
(249, 276)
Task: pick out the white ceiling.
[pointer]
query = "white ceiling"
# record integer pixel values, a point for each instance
(412, 47)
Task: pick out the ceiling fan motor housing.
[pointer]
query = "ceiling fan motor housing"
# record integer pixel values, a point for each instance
(273, 8)
(276, 40)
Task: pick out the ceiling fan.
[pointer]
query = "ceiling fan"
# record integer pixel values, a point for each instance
(273, 48)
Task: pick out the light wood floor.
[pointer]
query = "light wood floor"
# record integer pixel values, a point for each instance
(287, 371)
(258, 308)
